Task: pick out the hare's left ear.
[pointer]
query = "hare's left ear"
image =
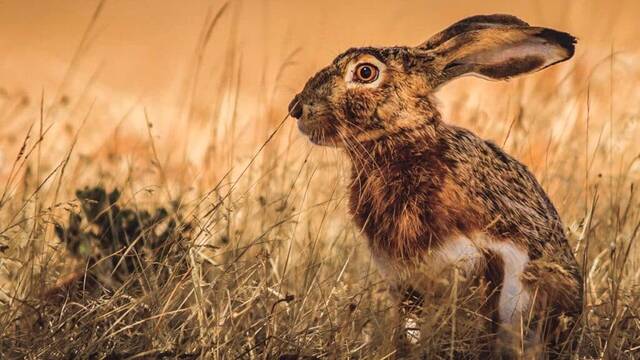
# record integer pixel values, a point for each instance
(477, 22)
(495, 47)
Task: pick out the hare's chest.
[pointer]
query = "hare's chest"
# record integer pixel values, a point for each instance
(400, 212)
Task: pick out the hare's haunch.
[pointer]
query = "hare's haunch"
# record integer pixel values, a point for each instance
(430, 196)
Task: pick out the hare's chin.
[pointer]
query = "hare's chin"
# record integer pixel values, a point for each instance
(321, 140)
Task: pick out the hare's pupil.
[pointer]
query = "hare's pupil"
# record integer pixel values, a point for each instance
(365, 72)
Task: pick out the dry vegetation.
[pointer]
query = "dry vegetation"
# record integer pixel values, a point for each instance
(229, 238)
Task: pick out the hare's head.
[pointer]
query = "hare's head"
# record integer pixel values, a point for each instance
(368, 93)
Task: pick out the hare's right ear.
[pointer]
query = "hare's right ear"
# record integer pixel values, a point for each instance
(496, 47)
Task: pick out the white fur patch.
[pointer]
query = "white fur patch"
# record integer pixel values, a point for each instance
(461, 252)
(412, 330)
(466, 253)
(514, 298)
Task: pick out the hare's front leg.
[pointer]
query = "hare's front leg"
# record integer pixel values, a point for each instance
(409, 309)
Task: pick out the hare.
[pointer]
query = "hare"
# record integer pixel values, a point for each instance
(430, 196)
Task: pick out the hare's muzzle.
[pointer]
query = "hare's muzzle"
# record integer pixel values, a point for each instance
(313, 120)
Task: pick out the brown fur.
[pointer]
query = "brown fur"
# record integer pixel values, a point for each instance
(418, 182)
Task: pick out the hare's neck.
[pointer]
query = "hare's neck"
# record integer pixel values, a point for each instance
(398, 148)
(393, 180)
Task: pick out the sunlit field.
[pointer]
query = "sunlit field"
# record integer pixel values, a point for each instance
(156, 201)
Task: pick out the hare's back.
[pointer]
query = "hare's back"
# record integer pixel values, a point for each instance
(513, 202)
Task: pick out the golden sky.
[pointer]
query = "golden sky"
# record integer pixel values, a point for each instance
(145, 48)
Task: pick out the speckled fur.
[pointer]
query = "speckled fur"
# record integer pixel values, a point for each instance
(417, 182)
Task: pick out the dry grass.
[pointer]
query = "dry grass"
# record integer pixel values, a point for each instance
(230, 237)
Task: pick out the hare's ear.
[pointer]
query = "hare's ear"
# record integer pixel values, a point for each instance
(472, 23)
(499, 52)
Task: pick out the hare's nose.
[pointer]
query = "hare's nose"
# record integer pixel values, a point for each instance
(295, 108)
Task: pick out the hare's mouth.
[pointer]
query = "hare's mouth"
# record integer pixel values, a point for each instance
(318, 131)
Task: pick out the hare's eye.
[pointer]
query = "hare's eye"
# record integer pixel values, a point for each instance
(366, 73)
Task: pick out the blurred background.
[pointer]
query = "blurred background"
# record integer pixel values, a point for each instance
(144, 49)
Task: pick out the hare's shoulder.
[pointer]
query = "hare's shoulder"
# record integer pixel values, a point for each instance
(484, 161)
(471, 148)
